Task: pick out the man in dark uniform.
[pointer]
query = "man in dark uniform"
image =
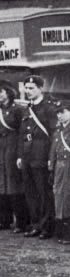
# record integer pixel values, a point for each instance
(34, 142)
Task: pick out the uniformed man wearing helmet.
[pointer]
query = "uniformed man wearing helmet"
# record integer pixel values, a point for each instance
(34, 142)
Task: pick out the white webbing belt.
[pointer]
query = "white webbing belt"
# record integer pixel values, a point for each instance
(40, 125)
(64, 142)
(3, 121)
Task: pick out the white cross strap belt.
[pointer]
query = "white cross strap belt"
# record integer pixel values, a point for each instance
(37, 121)
(3, 121)
(64, 142)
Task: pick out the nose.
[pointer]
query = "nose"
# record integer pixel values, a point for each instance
(27, 90)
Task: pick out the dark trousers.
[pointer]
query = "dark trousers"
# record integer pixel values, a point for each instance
(19, 210)
(13, 205)
(5, 211)
(62, 228)
(39, 196)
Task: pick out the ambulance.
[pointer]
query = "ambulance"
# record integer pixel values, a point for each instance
(37, 42)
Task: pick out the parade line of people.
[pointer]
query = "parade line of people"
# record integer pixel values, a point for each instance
(34, 162)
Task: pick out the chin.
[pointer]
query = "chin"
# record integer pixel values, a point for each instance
(30, 98)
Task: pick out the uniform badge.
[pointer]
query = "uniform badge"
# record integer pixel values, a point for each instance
(31, 80)
(13, 105)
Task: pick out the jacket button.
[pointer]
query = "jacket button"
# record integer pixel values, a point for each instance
(65, 156)
(7, 112)
(49, 101)
(28, 127)
(56, 139)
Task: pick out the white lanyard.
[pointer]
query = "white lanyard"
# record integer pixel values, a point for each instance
(38, 122)
(64, 142)
(3, 121)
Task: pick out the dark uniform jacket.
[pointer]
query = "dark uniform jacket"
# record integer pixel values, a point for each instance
(8, 149)
(33, 142)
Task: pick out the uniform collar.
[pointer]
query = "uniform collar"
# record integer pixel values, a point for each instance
(38, 100)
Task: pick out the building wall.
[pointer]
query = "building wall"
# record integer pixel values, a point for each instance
(29, 33)
(56, 78)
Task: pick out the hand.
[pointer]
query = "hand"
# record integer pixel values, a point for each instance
(19, 163)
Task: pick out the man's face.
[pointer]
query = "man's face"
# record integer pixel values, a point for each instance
(63, 116)
(59, 115)
(32, 91)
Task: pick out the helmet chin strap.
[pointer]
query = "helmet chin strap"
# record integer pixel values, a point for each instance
(66, 123)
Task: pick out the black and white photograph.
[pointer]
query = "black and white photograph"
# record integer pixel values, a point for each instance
(34, 138)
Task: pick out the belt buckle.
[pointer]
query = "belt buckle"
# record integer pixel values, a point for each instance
(29, 137)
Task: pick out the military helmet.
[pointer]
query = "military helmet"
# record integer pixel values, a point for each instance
(34, 79)
(61, 101)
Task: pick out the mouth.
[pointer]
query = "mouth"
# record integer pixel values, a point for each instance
(29, 96)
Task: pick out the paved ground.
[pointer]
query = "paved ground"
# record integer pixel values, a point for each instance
(21, 257)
